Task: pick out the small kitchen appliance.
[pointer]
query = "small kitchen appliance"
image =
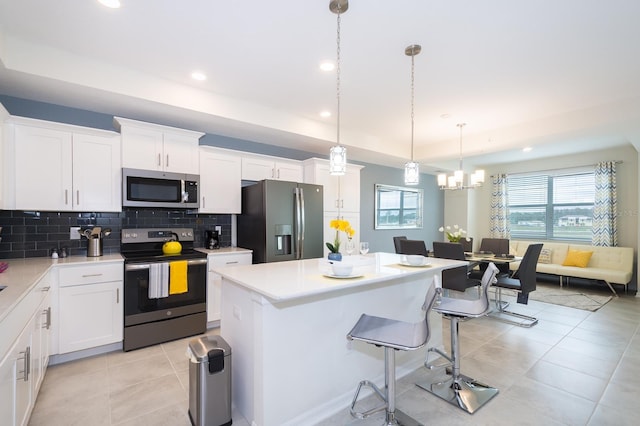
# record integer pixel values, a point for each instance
(212, 240)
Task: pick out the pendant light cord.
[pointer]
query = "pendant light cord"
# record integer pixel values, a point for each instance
(412, 98)
(338, 75)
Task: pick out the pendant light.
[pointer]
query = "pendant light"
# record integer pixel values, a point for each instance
(456, 181)
(338, 153)
(411, 168)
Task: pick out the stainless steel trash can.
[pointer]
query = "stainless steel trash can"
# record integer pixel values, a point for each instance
(210, 381)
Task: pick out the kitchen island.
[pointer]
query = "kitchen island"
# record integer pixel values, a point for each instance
(286, 323)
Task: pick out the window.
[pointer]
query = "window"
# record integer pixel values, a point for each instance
(398, 207)
(553, 206)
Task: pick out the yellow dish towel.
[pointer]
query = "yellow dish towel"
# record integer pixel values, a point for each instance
(178, 277)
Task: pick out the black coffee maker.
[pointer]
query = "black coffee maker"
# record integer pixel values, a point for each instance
(212, 240)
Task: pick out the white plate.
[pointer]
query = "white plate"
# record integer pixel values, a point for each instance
(342, 276)
(424, 265)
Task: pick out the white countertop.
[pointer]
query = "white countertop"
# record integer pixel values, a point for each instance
(224, 251)
(282, 281)
(23, 274)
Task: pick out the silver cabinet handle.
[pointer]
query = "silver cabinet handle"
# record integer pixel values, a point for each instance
(278, 173)
(47, 316)
(203, 203)
(91, 275)
(45, 289)
(26, 363)
(231, 263)
(117, 296)
(66, 196)
(167, 164)
(77, 197)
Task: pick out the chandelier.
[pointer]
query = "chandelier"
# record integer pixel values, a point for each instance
(338, 153)
(412, 168)
(456, 181)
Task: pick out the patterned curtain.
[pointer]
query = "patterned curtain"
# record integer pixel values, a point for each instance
(605, 206)
(499, 221)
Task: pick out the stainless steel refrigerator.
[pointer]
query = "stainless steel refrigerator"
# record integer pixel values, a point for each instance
(281, 220)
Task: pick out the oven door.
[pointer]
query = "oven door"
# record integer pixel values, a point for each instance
(140, 308)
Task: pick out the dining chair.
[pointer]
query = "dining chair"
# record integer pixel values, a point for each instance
(396, 242)
(467, 244)
(460, 390)
(523, 281)
(497, 246)
(455, 278)
(413, 247)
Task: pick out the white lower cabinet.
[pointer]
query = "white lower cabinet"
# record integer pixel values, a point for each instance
(214, 280)
(22, 369)
(90, 306)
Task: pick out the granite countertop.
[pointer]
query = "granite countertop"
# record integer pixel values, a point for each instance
(282, 281)
(22, 275)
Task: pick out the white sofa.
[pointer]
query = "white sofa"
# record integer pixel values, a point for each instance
(613, 265)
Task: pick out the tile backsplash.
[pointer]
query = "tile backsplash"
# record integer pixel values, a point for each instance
(35, 234)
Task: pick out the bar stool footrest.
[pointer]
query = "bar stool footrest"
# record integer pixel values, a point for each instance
(377, 392)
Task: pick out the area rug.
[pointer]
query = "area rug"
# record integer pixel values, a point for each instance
(572, 298)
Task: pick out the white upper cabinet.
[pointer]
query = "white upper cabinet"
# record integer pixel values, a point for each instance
(53, 166)
(149, 146)
(341, 193)
(220, 181)
(256, 168)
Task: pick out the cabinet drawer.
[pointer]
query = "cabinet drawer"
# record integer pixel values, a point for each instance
(217, 261)
(89, 274)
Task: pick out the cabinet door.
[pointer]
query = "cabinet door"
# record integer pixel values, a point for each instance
(8, 387)
(214, 280)
(257, 168)
(288, 171)
(180, 153)
(90, 315)
(43, 169)
(23, 393)
(141, 148)
(350, 190)
(40, 343)
(220, 183)
(96, 173)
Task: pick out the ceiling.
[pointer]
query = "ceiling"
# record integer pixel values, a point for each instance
(558, 76)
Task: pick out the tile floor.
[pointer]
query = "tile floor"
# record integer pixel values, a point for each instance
(574, 368)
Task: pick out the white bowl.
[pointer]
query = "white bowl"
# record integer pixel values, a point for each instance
(341, 269)
(415, 259)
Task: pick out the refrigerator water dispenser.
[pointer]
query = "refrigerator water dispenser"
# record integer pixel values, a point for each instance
(283, 239)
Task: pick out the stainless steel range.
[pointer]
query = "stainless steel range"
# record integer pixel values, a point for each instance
(162, 300)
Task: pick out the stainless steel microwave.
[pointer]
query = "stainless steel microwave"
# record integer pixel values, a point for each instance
(149, 188)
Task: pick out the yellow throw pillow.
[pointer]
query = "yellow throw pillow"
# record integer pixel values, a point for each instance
(577, 258)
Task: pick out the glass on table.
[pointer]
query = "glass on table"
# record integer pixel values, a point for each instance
(364, 248)
(350, 247)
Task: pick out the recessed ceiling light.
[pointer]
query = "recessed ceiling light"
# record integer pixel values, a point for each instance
(113, 4)
(327, 66)
(325, 114)
(526, 149)
(197, 75)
